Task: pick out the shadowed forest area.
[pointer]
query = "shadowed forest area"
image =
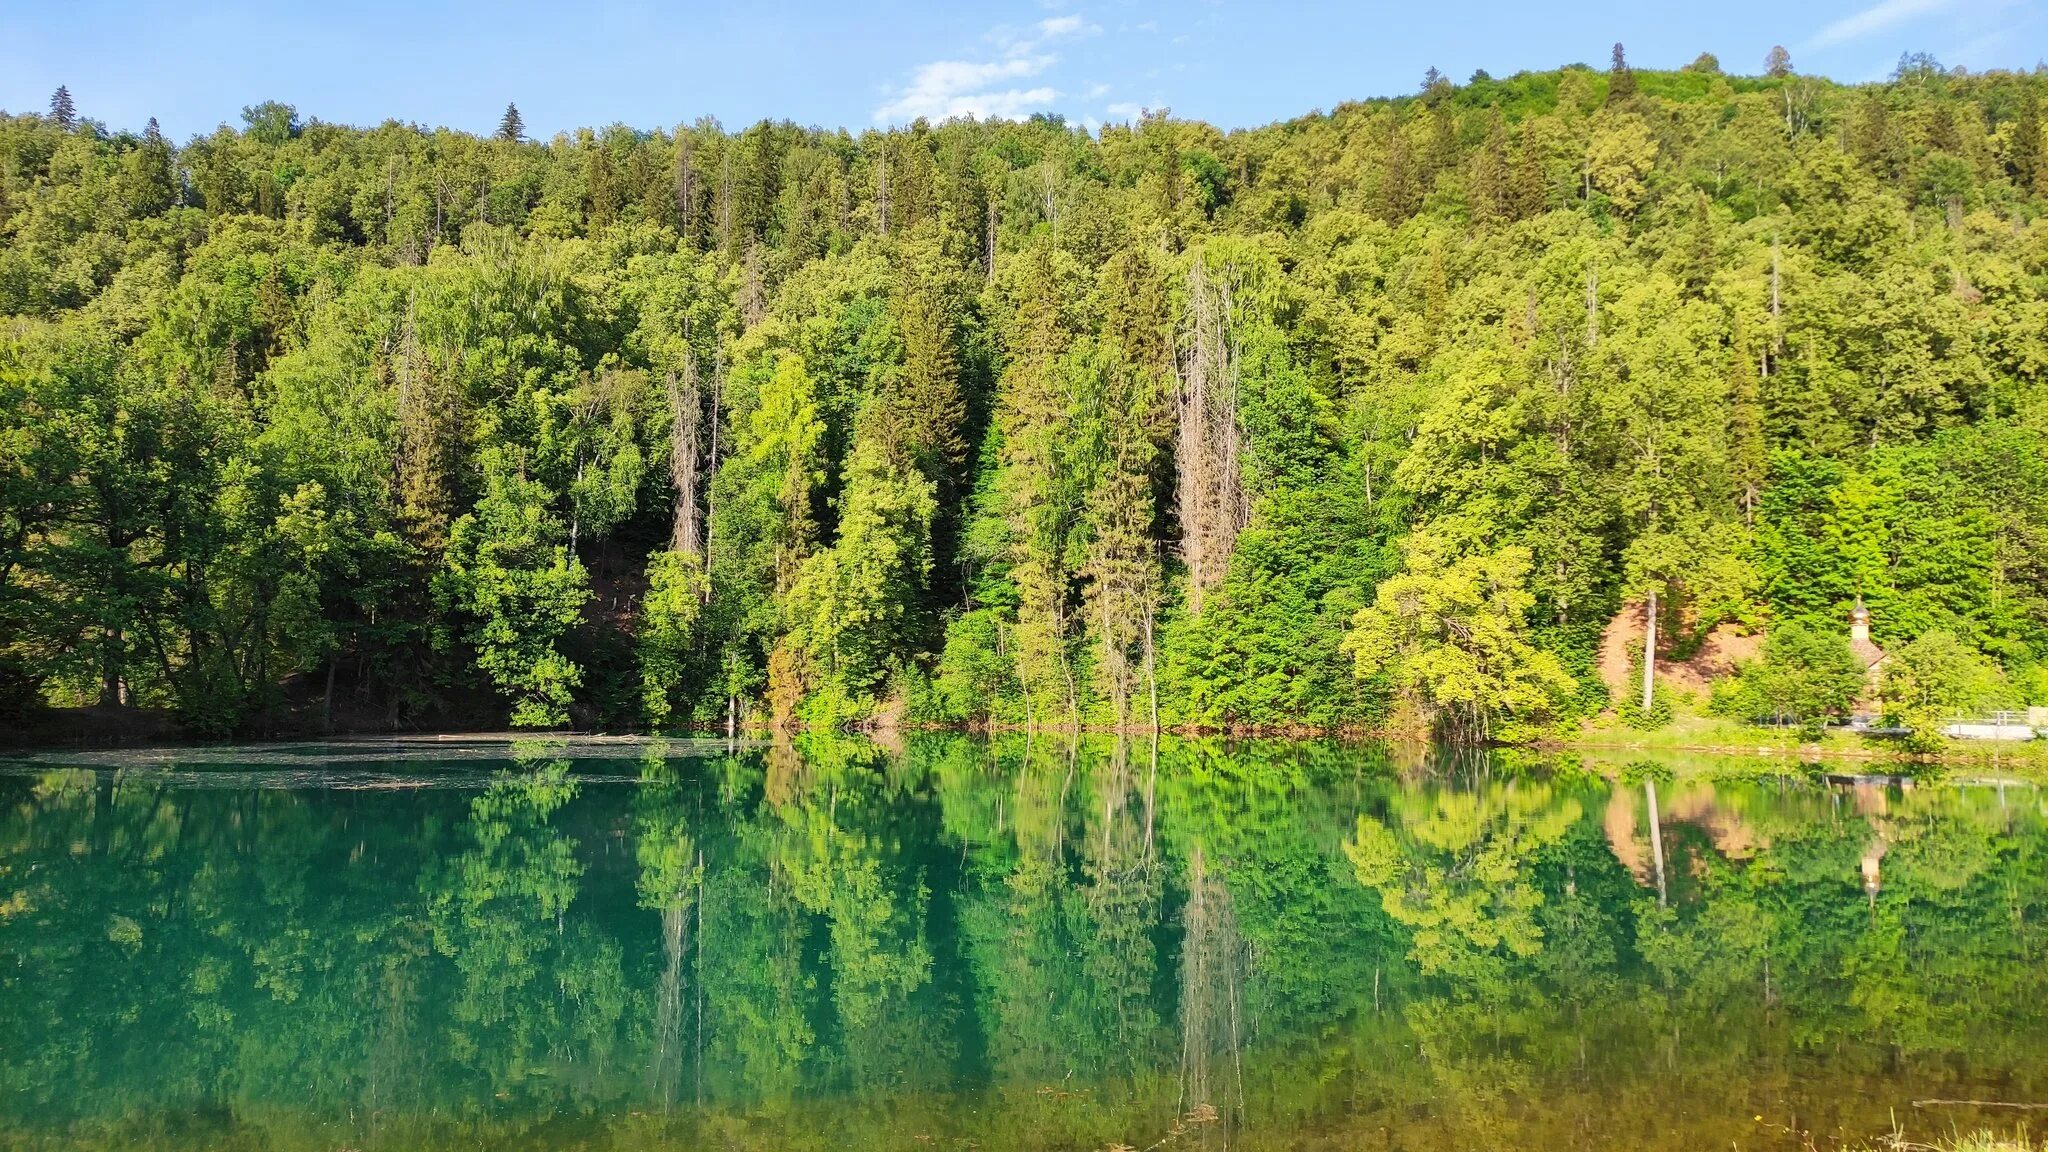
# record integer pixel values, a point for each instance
(1376, 417)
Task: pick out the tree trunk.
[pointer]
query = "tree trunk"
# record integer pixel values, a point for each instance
(684, 456)
(1649, 651)
(327, 700)
(1656, 839)
(110, 668)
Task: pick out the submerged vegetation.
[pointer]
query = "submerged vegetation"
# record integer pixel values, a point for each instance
(1371, 417)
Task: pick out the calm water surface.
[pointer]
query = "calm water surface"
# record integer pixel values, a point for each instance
(963, 944)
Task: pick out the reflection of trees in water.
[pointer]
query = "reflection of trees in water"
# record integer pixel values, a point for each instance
(847, 859)
(670, 882)
(538, 999)
(1211, 973)
(1500, 978)
(1121, 891)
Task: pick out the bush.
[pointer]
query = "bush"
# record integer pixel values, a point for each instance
(1806, 674)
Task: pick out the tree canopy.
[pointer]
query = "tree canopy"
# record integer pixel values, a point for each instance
(1009, 422)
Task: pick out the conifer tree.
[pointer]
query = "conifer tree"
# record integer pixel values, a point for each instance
(1399, 193)
(1491, 190)
(1529, 190)
(1208, 452)
(1874, 137)
(603, 186)
(62, 110)
(1036, 482)
(510, 127)
(1621, 81)
(927, 399)
(1699, 255)
(1746, 450)
(2025, 156)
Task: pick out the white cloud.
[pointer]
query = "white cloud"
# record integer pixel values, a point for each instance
(1879, 17)
(1124, 110)
(948, 88)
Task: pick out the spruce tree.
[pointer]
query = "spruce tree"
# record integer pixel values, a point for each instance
(510, 127)
(1399, 195)
(1621, 80)
(1529, 191)
(926, 393)
(2026, 143)
(1699, 255)
(62, 110)
(1874, 139)
(1491, 198)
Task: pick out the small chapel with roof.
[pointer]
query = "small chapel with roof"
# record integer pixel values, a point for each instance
(1869, 657)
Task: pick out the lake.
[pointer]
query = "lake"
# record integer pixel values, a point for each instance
(1020, 943)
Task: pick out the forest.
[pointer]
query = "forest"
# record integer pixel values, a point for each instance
(1368, 419)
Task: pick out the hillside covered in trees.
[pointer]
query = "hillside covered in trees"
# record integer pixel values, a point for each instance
(1380, 413)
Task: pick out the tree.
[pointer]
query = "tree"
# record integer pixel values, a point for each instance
(855, 607)
(785, 441)
(1701, 255)
(1037, 488)
(1806, 674)
(1619, 158)
(926, 401)
(669, 614)
(1937, 678)
(2023, 156)
(1450, 632)
(62, 110)
(511, 127)
(1211, 499)
(1621, 81)
(511, 578)
(1777, 62)
(271, 122)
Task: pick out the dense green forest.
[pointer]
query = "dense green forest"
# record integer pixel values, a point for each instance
(1375, 415)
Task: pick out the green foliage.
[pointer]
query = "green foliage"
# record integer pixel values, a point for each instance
(1013, 422)
(1938, 678)
(669, 616)
(1806, 674)
(1450, 632)
(511, 578)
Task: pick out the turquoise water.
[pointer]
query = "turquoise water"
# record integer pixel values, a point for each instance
(1018, 944)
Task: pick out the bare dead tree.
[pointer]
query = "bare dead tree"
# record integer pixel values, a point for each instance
(711, 467)
(1210, 490)
(685, 455)
(882, 188)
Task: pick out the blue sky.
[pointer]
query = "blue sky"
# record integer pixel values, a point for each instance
(1233, 62)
